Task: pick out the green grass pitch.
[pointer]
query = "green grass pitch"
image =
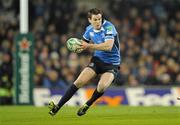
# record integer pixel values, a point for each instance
(97, 115)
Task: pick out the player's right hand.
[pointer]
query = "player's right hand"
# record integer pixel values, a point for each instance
(83, 45)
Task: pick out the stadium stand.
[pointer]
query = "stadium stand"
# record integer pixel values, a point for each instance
(149, 34)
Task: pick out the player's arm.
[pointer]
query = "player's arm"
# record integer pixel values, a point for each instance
(105, 46)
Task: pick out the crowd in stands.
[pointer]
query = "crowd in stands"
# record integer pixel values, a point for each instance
(149, 41)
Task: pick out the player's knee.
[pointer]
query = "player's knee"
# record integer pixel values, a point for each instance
(102, 88)
(79, 83)
(99, 89)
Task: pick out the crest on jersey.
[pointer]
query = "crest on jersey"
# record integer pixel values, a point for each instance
(109, 30)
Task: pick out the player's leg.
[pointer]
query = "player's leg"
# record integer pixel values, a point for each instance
(104, 82)
(85, 76)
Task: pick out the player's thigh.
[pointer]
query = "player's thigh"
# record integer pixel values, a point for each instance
(105, 81)
(85, 76)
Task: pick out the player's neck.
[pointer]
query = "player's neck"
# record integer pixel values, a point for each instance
(98, 30)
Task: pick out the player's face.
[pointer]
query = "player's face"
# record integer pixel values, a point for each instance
(96, 21)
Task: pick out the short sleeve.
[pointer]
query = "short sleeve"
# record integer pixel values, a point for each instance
(109, 33)
(86, 36)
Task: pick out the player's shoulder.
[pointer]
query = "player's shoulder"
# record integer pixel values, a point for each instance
(89, 28)
(107, 25)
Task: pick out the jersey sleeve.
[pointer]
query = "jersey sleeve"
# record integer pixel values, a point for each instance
(86, 36)
(110, 32)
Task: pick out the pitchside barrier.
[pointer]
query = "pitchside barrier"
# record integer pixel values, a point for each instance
(114, 96)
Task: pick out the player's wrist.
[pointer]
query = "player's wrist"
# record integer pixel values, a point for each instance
(88, 46)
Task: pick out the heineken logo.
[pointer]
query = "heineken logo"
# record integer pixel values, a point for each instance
(24, 44)
(23, 66)
(24, 70)
(24, 77)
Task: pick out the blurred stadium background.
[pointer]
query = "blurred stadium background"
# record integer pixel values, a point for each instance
(150, 69)
(150, 50)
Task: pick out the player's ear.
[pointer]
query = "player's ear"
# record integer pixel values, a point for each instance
(89, 19)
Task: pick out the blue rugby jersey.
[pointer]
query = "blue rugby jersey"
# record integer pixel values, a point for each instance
(106, 32)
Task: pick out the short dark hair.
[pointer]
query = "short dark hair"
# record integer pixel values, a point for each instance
(94, 11)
